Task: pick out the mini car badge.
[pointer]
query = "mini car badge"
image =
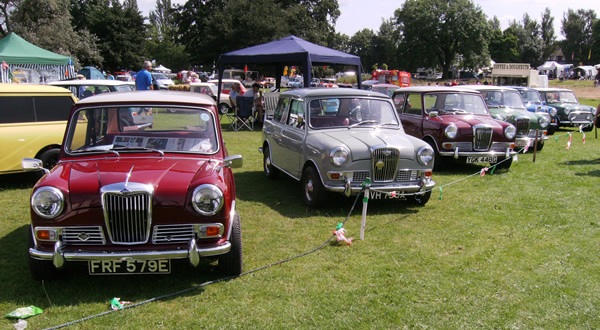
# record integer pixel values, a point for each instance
(380, 164)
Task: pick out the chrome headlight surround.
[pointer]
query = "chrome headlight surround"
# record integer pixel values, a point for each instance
(48, 202)
(425, 155)
(339, 156)
(451, 131)
(543, 121)
(510, 132)
(207, 199)
(553, 112)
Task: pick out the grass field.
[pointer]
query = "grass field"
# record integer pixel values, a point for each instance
(516, 249)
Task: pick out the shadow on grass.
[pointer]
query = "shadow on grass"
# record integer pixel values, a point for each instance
(582, 162)
(284, 195)
(595, 173)
(19, 180)
(76, 286)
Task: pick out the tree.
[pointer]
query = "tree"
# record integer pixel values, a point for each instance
(385, 48)
(530, 45)
(121, 30)
(362, 44)
(6, 9)
(595, 52)
(577, 29)
(436, 32)
(162, 44)
(547, 34)
(47, 24)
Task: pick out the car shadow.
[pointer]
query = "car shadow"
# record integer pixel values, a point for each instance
(582, 162)
(284, 195)
(76, 286)
(19, 180)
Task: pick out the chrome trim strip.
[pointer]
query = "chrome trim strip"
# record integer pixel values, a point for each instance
(409, 188)
(473, 153)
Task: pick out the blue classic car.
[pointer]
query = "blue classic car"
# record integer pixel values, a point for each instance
(533, 102)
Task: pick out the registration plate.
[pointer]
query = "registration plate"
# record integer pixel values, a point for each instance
(128, 266)
(383, 195)
(482, 159)
(521, 143)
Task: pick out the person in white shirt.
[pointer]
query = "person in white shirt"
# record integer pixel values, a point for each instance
(258, 100)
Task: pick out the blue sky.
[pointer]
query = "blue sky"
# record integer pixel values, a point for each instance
(360, 14)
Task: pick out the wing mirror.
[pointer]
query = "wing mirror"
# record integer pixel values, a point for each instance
(33, 165)
(433, 114)
(235, 161)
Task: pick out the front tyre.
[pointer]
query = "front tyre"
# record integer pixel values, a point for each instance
(41, 270)
(271, 171)
(230, 263)
(503, 163)
(224, 108)
(419, 199)
(314, 192)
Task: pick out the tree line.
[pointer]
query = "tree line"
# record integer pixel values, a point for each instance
(443, 34)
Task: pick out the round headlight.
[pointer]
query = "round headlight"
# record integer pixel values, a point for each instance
(544, 121)
(425, 155)
(47, 202)
(207, 199)
(451, 131)
(594, 111)
(338, 156)
(510, 131)
(553, 112)
(567, 111)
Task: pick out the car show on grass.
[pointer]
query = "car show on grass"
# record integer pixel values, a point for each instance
(259, 164)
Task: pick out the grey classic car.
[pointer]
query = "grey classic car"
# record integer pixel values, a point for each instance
(334, 139)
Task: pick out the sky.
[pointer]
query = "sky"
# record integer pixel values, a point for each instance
(360, 14)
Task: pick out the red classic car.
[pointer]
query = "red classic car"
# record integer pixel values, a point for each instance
(456, 123)
(129, 197)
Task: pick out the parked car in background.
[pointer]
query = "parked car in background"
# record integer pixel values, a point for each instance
(387, 89)
(161, 81)
(506, 104)
(224, 103)
(296, 82)
(129, 199)
(570, 113)
(89, 87)
(124, 77)
(32, 124)
(333, 139)
(456, 123)
(328, 82)
(366, 84)
(533, 102)
(90, 72)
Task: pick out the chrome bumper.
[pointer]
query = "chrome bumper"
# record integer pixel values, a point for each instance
(351, 188)
(457, 153)
(192, 253)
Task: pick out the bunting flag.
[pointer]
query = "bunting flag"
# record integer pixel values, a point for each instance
(483, 170)
(246, 68)
(516, 158)
(583, 138)
(527, 145)
(569, 142)
(441, 193)
(4, 65)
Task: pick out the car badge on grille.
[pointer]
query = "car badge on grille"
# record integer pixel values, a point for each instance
(125, 191)
(83, 237)
(387, 152)
(380, 164)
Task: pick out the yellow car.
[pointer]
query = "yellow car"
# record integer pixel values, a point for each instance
(33, 119)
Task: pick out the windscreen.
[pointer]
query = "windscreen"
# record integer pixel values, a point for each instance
(351, 112)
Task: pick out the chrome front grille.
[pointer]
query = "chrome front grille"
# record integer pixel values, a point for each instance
(172, 234)
(482, 137)
(522, 125)
(360, 176)
(83, 236)
(580, 117)
(127, 212)
(385, 164)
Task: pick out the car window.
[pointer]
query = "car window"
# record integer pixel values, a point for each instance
(17, 109)
(567, 97)
(281, 106)
(430, 101)
(345, 112)
(27, 109)
(125, 88)
(53, 108)
(399, 100)
(413, 104)
(296, 116)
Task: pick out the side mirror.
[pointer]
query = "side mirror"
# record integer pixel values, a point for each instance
(33, 165)
(433, 114)
(235, 161)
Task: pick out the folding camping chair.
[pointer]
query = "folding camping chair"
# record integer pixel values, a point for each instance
(244, 116)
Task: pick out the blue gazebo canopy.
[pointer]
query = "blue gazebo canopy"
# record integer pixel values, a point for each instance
(290, 50)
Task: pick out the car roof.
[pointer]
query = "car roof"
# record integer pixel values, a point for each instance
(426, 89)
(201, 84)
(489, 87)
(88, 82)
(385, 85)
(224, 80)
(331, 92)
(32, 88)
(553, 89)
(149, 97)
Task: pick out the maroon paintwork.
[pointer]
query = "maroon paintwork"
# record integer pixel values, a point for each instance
(432, 128)
(173, 176)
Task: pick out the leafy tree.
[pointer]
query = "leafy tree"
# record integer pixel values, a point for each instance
(595, 58)
(386, 45)
(437, 32)
(162, 44)
(547, 34)
(362, 44)
(339, 41)
(530, 44)
(47, 24)
(121, 30)
(577, 29)
(6, 9)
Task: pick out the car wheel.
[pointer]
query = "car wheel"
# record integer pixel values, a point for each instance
(231, 263)
(40, 269)
(503, 165)
(271, 171)
(224, 108)
(419, 199)
(49, 158)
(551, 130)
(540, 145)
(588, 128)
(314, 192)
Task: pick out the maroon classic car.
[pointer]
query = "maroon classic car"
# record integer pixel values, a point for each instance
(130, 196)
(456, 123)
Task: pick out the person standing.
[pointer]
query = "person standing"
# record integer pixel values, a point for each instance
(143, 80)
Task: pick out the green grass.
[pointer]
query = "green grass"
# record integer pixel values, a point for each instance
(517, 249)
